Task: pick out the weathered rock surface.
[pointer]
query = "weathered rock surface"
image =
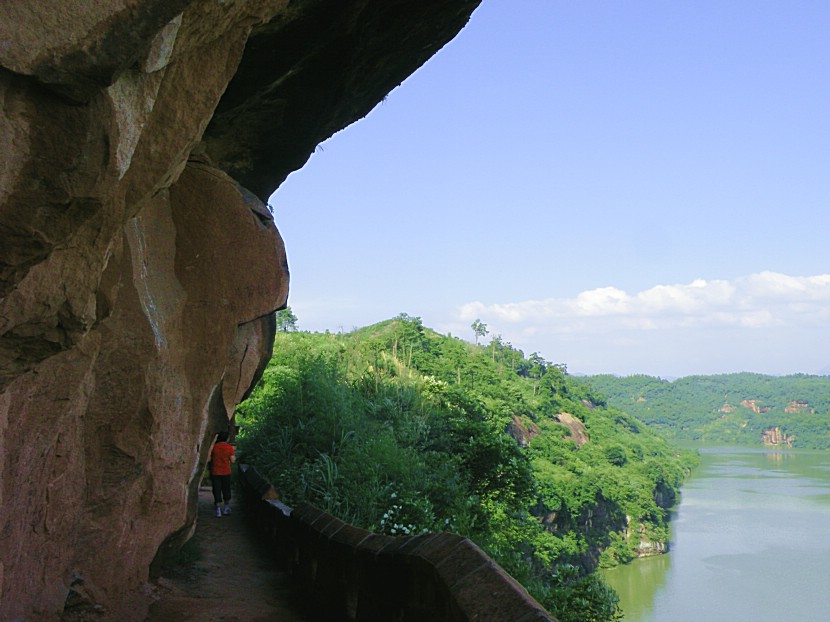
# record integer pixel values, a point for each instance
(579, 433)
(775, 437)
(523, 431)
(138, 269)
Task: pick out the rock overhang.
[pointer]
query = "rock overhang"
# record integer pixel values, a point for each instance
(138, 272)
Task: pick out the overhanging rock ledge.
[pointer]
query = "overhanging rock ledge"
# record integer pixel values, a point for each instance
(138, 271)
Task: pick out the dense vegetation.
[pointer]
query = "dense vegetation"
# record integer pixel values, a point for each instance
(730, 408)
(401, 430)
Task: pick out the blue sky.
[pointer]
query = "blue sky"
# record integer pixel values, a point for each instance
(624, 187)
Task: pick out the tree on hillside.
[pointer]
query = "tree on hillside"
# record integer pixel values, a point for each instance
(286, 320)
(409, 331)
(539, 366)
(479, 328)
(496, 342)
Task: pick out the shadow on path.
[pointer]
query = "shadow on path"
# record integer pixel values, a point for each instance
(233, 578)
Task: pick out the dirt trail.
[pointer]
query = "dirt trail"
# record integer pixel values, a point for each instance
(234, 580)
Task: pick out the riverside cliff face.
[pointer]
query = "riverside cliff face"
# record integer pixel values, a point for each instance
(139, 266)
(774, 437)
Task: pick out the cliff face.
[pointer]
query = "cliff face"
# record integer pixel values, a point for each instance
(138, 268)
(775, 437)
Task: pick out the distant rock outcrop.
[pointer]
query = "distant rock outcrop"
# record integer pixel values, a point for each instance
(523, 431)
(139, 266)
(775, 437)
(797, 407)
(754, 406)
(579, 433)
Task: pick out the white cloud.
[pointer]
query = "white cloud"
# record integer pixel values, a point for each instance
(754, 301)
(602, 301)
(769, 322)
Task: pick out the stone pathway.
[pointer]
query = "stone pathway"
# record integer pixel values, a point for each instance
(233, 581)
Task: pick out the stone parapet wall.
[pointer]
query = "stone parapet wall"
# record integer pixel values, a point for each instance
(347, 573)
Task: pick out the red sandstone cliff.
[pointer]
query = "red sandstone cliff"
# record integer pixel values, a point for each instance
(138, 268)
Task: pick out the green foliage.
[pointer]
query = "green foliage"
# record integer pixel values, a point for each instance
(286, 320)
(581, 598)
(479, 328)
(401, 430)
(726, 409)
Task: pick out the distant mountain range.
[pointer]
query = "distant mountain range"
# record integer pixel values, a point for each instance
(745, 408)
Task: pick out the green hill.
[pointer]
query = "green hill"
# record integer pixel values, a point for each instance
(401, 430)
(745, 409)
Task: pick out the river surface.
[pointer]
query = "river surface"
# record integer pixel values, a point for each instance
(750, 542)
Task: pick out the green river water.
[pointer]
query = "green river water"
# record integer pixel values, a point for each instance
(750, 542)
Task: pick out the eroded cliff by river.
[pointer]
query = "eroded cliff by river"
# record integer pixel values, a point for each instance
(139, 265)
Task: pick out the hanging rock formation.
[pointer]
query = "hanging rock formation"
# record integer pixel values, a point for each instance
(139, 266)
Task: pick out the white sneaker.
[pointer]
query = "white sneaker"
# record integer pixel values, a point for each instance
(227, 510)
(218, 512)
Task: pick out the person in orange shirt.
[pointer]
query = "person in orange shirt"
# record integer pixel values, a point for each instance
(221, 457)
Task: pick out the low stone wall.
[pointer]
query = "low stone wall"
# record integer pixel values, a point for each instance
(348, 573)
